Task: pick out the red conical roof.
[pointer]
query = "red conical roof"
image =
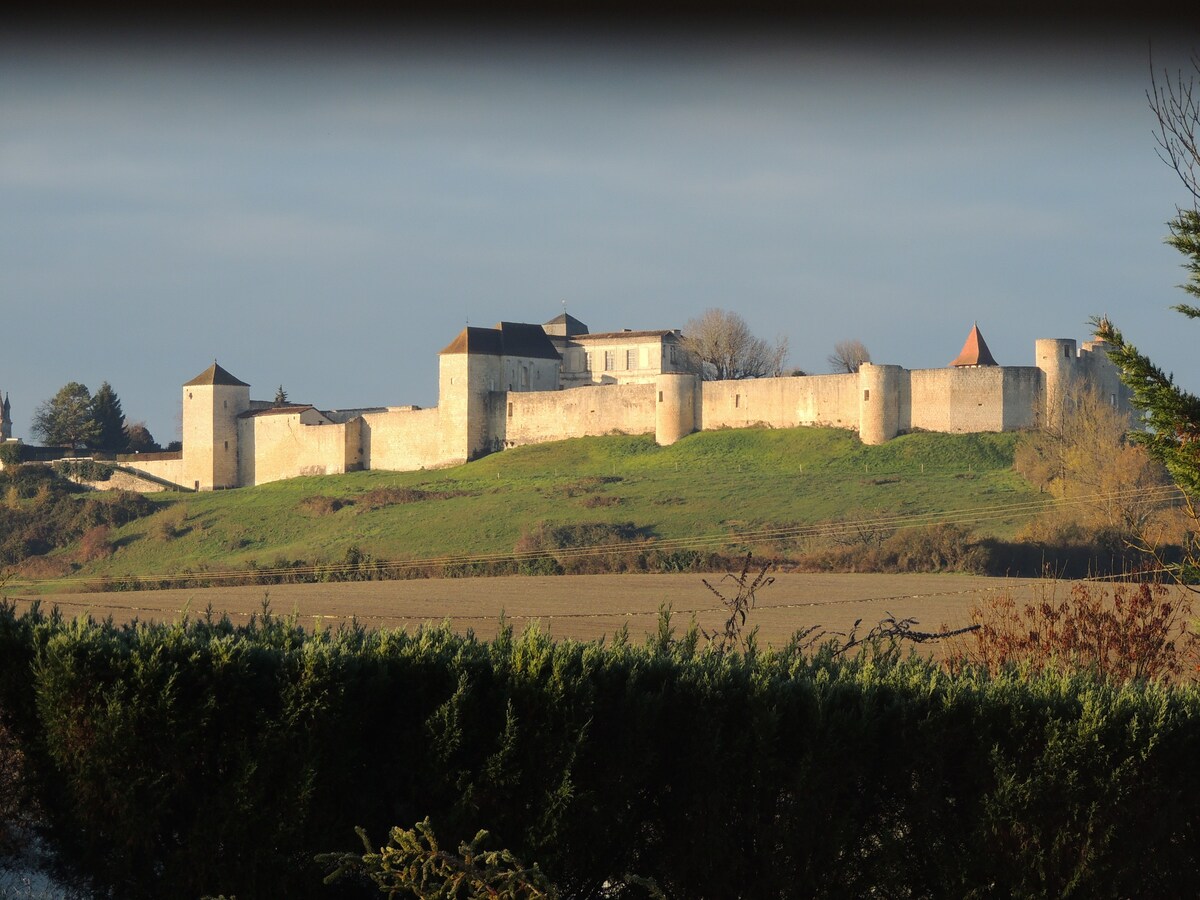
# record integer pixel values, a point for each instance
(975, 351)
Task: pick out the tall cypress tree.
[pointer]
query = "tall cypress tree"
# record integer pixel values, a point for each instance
(111, 436)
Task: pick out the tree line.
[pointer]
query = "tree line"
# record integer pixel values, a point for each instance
(75, 417)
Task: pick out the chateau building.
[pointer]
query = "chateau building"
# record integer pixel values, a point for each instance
(520, 383)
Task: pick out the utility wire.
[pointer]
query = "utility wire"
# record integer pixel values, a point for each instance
(1161, 495)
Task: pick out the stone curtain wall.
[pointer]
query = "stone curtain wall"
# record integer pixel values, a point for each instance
(274, 447)
(522, 418)
(172, 470)
(403, 440)
(780, 402)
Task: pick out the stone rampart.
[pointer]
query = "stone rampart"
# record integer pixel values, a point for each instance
(518, 418)
(274, 447)
(780, 402)
(168, 467)
(404, 440)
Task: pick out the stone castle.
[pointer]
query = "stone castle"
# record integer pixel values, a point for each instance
(520, 383)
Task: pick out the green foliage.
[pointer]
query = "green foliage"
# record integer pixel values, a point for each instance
(44, 511)
(1172, 414)
(82, 469)
(111, 436)
(413, 862)
(11, 453)
(66, 419)
(203, 758)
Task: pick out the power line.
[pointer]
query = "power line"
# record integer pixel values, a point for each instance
(1161, 495)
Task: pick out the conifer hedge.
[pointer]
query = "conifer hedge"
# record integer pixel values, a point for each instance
(207, 758)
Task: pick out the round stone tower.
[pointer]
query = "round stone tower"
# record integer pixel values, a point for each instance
(878, 403)
(675, 406)
(1058, 360)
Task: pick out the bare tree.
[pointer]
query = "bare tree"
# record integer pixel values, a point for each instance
(1088, 454)
(721, 343)
(847, 356)
(1176, 106)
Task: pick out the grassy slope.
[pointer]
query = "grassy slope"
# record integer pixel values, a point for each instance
(707, 484)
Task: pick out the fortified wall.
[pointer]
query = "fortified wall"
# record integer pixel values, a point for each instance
(502, 387)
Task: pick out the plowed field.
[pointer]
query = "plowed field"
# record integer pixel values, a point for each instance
(582, 607)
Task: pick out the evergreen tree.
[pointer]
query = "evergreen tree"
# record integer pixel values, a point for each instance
(1172, 414)
(281, 398)
(66, 419)
(111, 436)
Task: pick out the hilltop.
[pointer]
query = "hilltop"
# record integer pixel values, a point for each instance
(717, 491)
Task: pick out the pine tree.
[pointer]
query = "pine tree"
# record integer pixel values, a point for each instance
(111, 436)
(281, 398)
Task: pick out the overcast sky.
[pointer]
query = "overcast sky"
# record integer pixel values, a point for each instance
(327, 213)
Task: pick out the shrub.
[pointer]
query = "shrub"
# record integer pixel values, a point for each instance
(319, 505)
(1129, 631)
(83, 470)
(378, 498)
(169, 524)
(11, 453)
(95, 545)
(586, 548)
(202, 757)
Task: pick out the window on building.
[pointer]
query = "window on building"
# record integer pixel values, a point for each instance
(1067, 352)
(660, 396)
(510, 410)
(227, 445)
(672, 353)
(867, 394)
(589, 362)
(610, 360)
(630, 359)
(737, 400)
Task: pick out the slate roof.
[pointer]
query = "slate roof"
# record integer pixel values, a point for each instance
(975, 351)
(506, 339)
(214, 374)
(570, 324)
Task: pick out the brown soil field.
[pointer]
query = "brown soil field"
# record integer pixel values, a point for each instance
(583, 607)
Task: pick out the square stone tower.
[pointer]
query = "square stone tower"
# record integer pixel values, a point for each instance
(212, 402)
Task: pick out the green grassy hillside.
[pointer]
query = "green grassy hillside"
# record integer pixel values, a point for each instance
(715, 484)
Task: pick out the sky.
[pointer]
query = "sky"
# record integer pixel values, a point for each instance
(326, 210)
